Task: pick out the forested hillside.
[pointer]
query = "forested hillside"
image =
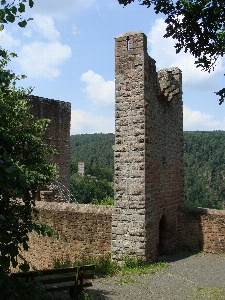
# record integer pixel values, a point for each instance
(93, 148)
(204, 165)
(96, 151)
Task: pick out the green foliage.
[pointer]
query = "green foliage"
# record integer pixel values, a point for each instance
(105, 266)
(105, 201)
(96, 151)
(23, 167)
(213, 293)
(93, 148)
(9, 12)
(86, 188)
(198, 26)
(17, 289)
(204, 161)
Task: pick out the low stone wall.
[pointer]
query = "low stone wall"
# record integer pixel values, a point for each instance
(201, 229)
(84, 230)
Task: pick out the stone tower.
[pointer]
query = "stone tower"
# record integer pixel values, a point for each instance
(149, 178)
(57, 135)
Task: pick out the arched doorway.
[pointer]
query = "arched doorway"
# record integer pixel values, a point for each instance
(163, 245)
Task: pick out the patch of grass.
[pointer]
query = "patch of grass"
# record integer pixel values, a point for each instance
(106, 267)
(126, 280)
(62, 262)
(85, 296)
(214, 293)
(145, 268)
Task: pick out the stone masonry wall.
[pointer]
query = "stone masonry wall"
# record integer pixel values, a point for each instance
(58, 132)
(148, 151)
(201, 229)
(87, 229)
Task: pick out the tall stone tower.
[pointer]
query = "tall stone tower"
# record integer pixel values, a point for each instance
(57, 136)
(149, 179)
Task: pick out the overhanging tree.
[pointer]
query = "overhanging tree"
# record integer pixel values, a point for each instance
(198, 26)
(11, 11)
(23, 164)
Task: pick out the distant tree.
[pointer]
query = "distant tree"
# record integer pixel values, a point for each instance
(198, 26)
(204, 161)
(85, 189)
(93, 149)
(104, 201)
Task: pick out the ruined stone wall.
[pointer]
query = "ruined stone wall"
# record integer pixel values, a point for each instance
(201, 229)
(87, 229)
(148, 150)
(58, 131)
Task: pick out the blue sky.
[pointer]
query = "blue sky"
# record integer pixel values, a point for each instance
(67, 53)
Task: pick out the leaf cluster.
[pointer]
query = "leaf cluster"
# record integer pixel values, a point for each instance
(18, 289)
(23, 166)
(198, 26)
(12, 11)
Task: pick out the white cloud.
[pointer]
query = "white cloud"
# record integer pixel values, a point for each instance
(101, 91)
(61, 8)
(43, 59)
(86, 122)
(44, 25)
(196, 120)
(28, 32)
(163, 51)
(7, 41)
(74, 30)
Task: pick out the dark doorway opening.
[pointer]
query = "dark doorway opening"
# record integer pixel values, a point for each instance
(163, 245)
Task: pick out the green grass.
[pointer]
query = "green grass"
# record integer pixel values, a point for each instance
(214, 293)
(106, 267)
(126, 280)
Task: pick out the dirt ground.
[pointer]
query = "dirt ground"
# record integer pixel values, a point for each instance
(200, 276)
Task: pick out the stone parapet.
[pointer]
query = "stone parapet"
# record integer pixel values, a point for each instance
(201, 229)
(84, 231)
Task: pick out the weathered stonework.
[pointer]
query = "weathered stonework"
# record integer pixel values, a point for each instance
(148, 217)
(149, 178)
(85, 230)
(201, 229)
(57, 135)
(88, 232)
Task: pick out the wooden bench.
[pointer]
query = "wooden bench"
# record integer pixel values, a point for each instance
(73, 277)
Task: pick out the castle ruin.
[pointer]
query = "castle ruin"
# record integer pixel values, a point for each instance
(57, 136)
(149, 217)
(149, 175)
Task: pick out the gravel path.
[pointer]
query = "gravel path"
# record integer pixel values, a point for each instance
(200, 276)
